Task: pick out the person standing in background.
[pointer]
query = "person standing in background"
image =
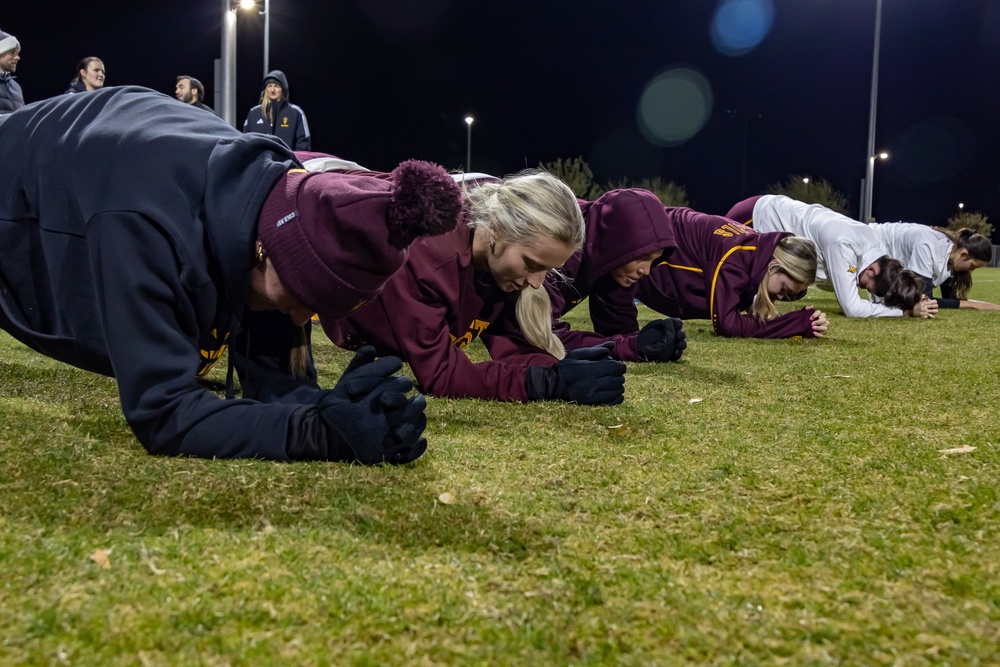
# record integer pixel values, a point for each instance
(277, 116)
(11, 97)
(90, 74)
(190, 90)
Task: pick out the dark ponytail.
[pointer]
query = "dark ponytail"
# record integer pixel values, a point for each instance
(979, 248)
(898, 287)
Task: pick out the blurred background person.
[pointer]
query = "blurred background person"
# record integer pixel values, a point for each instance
(89, 76)
(190, 90)
(11, 97)
(277, 116)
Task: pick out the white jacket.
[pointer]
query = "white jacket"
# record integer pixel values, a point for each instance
(845, 248)
(920, 248)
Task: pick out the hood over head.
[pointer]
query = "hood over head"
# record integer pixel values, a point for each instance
(623, 225)
(278, 76)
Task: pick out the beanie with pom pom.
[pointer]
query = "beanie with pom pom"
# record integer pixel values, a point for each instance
(336, 237)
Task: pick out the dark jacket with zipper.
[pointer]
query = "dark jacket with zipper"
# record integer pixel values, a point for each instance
(127, 229)
(11, 97)
(287, 121)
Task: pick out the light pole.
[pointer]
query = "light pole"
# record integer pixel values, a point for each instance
(226, 83)
(866, 203)
(267, 34)
(468, 145)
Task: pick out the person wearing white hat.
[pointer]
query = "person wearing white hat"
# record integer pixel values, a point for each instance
(11, 97)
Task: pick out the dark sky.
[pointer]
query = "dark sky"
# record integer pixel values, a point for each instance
(385, 80)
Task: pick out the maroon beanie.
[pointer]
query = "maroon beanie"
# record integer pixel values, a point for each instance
(336, 237)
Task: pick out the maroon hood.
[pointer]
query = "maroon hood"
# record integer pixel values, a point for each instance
(621, 226)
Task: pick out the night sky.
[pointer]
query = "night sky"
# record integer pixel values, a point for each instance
(386, 80)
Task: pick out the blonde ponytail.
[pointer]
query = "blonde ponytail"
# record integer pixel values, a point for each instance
(534, 316)
(522, 209)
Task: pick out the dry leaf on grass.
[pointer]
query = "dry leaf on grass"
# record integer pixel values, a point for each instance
(838, 375)
(695, 400)
(102, 557)
(447, 498)
(964, 449)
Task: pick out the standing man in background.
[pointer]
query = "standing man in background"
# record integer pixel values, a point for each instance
(11, 98)
(191, 91)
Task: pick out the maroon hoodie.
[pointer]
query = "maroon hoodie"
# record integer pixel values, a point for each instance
(713, 274)
(622, 225)
(432, 308)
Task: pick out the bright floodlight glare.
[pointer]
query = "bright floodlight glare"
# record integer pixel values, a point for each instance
(469, 119)
(961, 205)
(740, 25)
(805, 180)
(248, 4)
(883, 156)
(674, 106)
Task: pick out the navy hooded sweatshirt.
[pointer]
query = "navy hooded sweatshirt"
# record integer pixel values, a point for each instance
(287, 121)
(127, 225)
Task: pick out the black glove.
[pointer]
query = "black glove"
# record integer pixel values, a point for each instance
(368, 416)
(662, 340)
(588, 376)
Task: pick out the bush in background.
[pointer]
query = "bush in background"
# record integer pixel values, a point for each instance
(576, 173)
(977, 222)
(811, 191)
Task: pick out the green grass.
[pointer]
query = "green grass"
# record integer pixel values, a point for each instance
(792, 516)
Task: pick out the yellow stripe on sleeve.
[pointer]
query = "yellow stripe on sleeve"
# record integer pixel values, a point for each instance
(711, 298)
(683, 268)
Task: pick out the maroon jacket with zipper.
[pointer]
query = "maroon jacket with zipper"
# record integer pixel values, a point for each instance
(429, 310)
(713, 274)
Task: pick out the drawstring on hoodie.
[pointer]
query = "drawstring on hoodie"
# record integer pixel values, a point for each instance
(231, 364)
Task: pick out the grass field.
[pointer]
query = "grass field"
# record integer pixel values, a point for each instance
(761, 502)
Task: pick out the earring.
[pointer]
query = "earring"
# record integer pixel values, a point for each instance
(259, 252)
(493, 247)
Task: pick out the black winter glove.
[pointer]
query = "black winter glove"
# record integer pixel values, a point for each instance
(369, 413)
(590, 376)
(662, 340)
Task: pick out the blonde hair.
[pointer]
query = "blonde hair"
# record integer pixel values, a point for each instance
(265, 108)
(521, 209)
(796, 258)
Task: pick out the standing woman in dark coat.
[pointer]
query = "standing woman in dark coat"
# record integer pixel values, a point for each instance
(147, 261)
(276, 115)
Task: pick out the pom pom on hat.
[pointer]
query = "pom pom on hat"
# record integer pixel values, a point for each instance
(335, 238)
(425, 202)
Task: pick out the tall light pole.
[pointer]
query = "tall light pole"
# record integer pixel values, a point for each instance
(468, 145)
(227, 74)
(866, 203)
(267, 34)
